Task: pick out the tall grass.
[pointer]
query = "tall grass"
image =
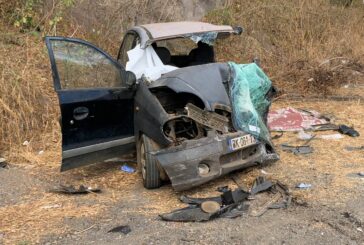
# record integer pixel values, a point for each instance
(292, 38)
(28, 105)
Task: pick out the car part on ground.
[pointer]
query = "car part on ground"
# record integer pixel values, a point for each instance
(74, 191)
(303, 149)
(125, 229)
(230, 204)
(348, 131)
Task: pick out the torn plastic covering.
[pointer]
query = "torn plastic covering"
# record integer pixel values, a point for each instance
(206, 37)
(146, 62)
(248, 91)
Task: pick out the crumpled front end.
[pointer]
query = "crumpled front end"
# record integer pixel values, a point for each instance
(212, 122)
(198, 161)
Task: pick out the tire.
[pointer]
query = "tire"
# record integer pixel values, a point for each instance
(147, 165)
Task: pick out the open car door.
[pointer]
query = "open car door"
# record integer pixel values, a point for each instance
(96, 102)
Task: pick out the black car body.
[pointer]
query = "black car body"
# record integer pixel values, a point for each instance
(180, 124)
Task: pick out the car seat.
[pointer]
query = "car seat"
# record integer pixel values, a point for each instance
(203, 54)
(163, 54)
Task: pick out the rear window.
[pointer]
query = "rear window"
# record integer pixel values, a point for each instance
(178, 46)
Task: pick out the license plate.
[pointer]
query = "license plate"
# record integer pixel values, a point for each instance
(242, 142)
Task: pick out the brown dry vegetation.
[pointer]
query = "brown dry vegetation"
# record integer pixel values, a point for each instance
(291, 38)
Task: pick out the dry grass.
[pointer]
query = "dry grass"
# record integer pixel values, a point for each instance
(28, 105)
(292, 38)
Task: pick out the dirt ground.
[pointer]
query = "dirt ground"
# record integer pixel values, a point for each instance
(331, 212)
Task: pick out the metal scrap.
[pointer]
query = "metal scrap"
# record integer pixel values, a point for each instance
(303, 186)
(206, 118)
(303, 149)
(73, 190)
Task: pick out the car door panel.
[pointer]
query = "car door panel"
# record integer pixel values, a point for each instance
(96, 104)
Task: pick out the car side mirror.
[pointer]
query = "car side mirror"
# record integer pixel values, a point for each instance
(130, 78)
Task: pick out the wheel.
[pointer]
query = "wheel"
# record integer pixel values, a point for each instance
(147, 165)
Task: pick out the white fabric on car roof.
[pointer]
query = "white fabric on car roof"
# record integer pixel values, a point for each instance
(147, 62)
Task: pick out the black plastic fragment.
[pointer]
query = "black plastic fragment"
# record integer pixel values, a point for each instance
(188, 214)
(125, 229)
(233, 203)
(348, 131)
(260, 184)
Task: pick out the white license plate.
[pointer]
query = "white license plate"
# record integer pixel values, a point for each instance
(242, 142)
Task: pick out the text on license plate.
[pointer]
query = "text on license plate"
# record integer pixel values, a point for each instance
(241, 142)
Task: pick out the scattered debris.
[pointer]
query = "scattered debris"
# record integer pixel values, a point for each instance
(260, 184)
(356, 175)
(261, 210)
(302, 135)
(348, 131)
(331, 137)
(303, 186)
(307, 136)
(230, 204)
(354, 148)
(125, 229)
(210, 207)
(26, 143)
(264, 172)
(51, 206)
(277, 136)
(72, 190)
(3, 163)
(303, 149)
(290, 119)
(40, 152)
(127, 169)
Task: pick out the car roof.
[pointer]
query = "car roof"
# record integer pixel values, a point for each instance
(161, 31)
(172, 29)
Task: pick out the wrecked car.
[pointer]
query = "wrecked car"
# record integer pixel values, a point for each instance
(189, 119)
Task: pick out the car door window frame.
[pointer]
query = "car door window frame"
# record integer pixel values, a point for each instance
(55, 74)
(134, 43)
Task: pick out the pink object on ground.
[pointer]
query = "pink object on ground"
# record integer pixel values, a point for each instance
(290, 119)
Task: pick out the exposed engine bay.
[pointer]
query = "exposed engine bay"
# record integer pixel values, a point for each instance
(191, 114)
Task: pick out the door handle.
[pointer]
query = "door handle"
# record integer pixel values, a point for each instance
(80, 113)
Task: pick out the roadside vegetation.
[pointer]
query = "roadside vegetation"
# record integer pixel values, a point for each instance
(306, 47)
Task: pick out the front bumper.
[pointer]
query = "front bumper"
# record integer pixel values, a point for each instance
(181, 163)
